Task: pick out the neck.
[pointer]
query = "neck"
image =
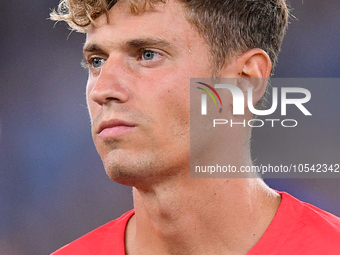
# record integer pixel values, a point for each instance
(200, 216)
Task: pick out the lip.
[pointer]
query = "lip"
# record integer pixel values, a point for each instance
(114, 128)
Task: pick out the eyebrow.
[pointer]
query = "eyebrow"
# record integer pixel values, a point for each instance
(91, 48)
(134, 43)
(147, 42)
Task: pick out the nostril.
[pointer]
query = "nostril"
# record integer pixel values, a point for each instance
(110, 99)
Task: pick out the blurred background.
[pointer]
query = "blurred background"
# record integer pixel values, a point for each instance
(53, 187)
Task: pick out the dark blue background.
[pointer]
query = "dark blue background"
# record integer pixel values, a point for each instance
(53, 187)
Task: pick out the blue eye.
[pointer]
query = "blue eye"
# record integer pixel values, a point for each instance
(97, 62)
(148, 55)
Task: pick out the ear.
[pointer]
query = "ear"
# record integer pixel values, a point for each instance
(256, 68)
(253, 65)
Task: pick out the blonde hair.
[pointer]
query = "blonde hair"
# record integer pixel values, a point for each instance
(79, 14)
(230, 27)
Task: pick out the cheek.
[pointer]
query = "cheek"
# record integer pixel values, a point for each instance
(91, 110)
(176, 111)
(90, 104)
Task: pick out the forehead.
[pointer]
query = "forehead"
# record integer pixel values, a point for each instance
(164, 21)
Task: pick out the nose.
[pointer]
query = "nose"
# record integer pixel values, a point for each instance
(110, 84)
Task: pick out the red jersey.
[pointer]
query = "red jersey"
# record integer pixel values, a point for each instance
(297, 228)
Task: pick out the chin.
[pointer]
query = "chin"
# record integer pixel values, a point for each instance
(134, 172)
(121, 176)
(143, 169)
(142, 177)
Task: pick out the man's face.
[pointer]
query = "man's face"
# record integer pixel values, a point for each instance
(138, 90)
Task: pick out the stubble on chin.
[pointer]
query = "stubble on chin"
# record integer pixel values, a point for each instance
(135, 170)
